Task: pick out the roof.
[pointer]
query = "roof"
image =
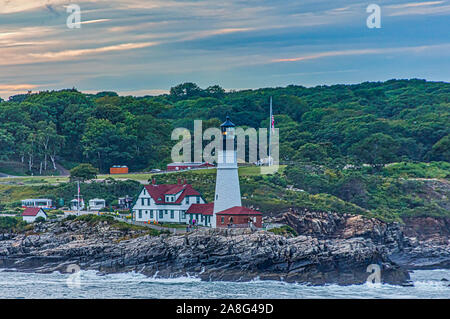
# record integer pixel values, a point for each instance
(203, 209)
(239, 210)
(158, 192)
(32, 211)
(227, 123)
(188, 164)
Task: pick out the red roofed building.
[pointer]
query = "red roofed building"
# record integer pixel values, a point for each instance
(237, 217)
(185, 165)
(200, 214)
(30, 214)
(165, 203)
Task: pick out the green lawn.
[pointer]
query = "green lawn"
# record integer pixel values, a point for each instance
(43, 180)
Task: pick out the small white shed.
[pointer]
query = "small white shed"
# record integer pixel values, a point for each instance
(30, 214)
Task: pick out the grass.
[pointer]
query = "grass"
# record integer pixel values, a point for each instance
(418, 170)
(141, 177)
(173, 225)
(14, 224)
(286, 231)
(122, 226)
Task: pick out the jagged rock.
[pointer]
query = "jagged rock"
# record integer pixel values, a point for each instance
(234, 255)
(419, 243)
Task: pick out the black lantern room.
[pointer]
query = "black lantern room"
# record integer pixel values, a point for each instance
(228, 132)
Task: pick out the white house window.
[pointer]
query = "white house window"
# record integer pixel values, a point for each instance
(172, 214)
(151, 213)
(217, 196)
(183, 214)
(198, 200)
(187, 200)
(148, 201)
(161, 214)
(140, 213)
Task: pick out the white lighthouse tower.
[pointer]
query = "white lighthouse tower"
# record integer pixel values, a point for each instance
(228, 192)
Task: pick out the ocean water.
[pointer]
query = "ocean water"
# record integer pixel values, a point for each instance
(87, 284)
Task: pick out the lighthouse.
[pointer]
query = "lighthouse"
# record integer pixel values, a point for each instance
(228, 192)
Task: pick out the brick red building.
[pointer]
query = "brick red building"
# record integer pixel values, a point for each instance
(183, 166)
(201, 213)
(237, 217)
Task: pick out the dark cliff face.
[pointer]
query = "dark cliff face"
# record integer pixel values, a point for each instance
(421, 242)
(233, 255)
(427, 229)
(343, 226)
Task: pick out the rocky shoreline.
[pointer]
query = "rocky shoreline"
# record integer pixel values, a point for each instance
(330, 248)
(419, 243)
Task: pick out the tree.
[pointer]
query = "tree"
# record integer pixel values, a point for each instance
(39, 220)
(312, 153)
(107, 144)
(83, 172)
(376, 149)
(50, 142)
(441, 150)
(215, 91)
(185, 91)
(6, 144)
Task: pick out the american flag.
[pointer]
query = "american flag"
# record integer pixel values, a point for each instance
(272, 124)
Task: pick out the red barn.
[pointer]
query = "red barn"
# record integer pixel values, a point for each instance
(238, 217)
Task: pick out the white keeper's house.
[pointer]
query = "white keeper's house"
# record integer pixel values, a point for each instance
(168, 203)
(30, 214)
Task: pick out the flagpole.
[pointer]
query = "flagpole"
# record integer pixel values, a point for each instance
(270, 133)
(78, 197)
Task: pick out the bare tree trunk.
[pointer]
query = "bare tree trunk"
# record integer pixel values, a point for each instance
(40, 168)
(30, 162)
(52, 157)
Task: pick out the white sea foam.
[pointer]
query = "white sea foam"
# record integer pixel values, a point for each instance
(427, 284)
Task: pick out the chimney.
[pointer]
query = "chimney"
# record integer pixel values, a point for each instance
(153, 181)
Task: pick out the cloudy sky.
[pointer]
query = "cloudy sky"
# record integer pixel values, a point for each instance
(144, 47)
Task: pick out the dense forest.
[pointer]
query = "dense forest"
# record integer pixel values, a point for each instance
(371, 123)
